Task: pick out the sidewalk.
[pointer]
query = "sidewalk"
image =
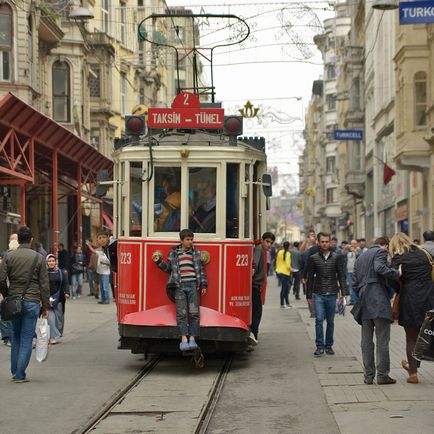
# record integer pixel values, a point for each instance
(360, 408)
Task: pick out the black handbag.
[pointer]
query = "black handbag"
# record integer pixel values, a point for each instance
(356, 311)
(11, 306)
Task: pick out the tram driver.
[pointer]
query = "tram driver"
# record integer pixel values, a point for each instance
(203, 218)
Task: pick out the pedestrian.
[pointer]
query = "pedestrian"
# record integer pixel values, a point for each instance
(311, 249)
(63, 262)
(103, 265)
(416, 293)
(428, 245)
(40, 249)
(334, 245)
(351, 257)
(283, 268)
(77, 270)
(19, 267)
(58, 295)
(362, 245)
(369, 282)
(259, 279)
(90, 269)
(6, 326)
(325, 270)
(187, 276)
(295, 269)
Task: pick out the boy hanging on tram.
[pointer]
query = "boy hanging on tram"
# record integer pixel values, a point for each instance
(187, 276)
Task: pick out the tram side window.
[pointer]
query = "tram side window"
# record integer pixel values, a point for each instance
(167, 199)
(232, 200)
(136, 174)
(202, 199)
(247, 204)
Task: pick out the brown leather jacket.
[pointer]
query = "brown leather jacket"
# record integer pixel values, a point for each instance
(15, 269)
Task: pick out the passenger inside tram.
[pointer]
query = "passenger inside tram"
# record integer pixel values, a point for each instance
(203, 200)
(167, 208)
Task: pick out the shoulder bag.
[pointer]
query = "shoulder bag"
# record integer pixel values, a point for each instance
(431, 261)
(12, 305)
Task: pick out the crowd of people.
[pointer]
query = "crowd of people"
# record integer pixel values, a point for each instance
(367, 278)
(51, 281)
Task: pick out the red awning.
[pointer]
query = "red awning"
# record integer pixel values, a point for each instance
(47, 134)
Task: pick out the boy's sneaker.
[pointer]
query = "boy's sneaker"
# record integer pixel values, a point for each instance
(184, 346)
(252, 339)
(318, 352)
(192, 345)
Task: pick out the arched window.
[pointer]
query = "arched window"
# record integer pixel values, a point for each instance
(5, 42)
(420, 98)
(61, 92)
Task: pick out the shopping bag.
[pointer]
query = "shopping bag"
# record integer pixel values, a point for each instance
(424, 348)
(342, 303)
(42, 340)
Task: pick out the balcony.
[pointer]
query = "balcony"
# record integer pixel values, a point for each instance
(48, 28)
(354, 55)
(332, 210)
(101, 39)
(354, 116)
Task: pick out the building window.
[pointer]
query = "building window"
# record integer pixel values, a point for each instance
(332, 195)
(123, 24)
(123, 93)
(420, 98)
(30, 48)
(331, 164)
(61, 92)
(356, 94)
(331, 72)
(95, 81)
(5, 42)
(331, 102)
(105, 11)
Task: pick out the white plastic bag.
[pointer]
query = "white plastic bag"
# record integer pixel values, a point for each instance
(42, 340)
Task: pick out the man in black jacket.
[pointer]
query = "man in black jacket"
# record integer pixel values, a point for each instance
(369, 282)
(324, 270)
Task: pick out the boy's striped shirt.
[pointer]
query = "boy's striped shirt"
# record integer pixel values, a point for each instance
(186, 266)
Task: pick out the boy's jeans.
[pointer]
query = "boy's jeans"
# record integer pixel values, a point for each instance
(187, 309)
(77, 284)
(104, 285)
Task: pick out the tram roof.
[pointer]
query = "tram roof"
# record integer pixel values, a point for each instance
(198, 138)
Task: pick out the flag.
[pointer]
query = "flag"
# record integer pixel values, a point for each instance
(388, 173)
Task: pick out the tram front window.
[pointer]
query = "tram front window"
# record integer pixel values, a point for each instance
(167, 199)
(202, 200)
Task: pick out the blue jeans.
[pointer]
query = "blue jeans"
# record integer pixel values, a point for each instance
(284, 290)
(353, 295)
(23, 330)
(77, 284)
(187, 309)
(104, 286)
(90, 280)
(5, 329)
(325, 307)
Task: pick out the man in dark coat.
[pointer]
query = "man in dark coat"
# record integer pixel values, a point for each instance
(369, 282)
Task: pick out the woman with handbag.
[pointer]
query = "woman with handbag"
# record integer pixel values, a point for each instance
(77, 269)
(416, 293)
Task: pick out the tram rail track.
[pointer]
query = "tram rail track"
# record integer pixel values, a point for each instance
(204, 409)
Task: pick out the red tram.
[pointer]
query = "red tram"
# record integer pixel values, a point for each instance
(197, 179)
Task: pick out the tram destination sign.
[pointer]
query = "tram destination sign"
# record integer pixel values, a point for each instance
(185, 118)
(354, 135)
(417, 12)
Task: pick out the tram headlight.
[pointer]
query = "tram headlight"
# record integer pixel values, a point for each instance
(205, 257)
(135, 125)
